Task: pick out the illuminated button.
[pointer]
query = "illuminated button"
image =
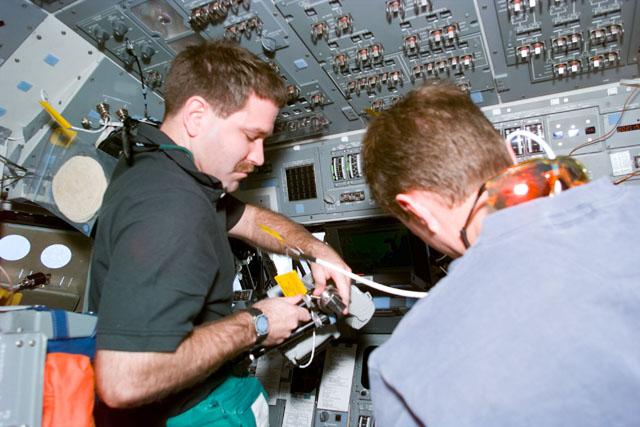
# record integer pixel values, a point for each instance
(558, 134)
(573, 133)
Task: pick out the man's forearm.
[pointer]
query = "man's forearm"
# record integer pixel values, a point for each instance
(293, 233)
(129, 379)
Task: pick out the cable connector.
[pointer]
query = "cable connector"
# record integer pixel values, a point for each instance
(129, 47)
(33, 281)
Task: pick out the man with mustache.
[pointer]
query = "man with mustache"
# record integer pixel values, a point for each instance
(162, 268)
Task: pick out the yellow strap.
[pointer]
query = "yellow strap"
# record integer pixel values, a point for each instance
(4, 298)
(64, 135)
(272, 232)
(56, 116)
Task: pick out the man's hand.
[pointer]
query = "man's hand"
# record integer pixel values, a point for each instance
(284, 317)
(296, 236)
(321, 274)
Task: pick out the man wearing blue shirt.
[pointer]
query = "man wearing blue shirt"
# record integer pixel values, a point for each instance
(536, 323)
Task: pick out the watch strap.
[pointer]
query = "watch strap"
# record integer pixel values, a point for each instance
(257, 313)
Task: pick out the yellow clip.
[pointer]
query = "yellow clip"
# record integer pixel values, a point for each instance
(63, 135)
(272, 232)
(291, 284)
(371, 112)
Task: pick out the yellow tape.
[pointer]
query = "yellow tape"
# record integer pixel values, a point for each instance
(272, 232)
(4, 298)
(62, 136)
(291, 284)
(56, 116)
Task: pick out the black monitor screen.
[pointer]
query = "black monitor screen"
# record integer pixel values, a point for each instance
(372, 251)
(382, 248)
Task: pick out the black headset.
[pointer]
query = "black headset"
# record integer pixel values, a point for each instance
(125, 142)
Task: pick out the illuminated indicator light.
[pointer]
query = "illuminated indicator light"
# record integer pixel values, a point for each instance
(520, 189)
(537, 48)
(558, 134)
(14, 247)
(55, 256)
(573, 133)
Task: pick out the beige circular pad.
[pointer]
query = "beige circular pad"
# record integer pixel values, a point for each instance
(78, 187)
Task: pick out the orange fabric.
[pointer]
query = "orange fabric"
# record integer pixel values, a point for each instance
(68, 391)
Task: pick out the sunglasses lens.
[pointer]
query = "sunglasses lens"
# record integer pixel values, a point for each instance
(574, 170)
(519, 184)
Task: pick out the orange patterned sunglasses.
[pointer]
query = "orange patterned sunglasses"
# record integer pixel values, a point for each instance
(527, 181)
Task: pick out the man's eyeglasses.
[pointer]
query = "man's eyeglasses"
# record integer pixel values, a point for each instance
(527, 181)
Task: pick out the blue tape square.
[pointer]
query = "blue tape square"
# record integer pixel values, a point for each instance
(2, 111)
(300, 63)
(300, 208)
(382, 302)
(477, 97)
(613, 118)
(24, 86)
(51, 60)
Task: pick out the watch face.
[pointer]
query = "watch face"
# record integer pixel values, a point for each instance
(262, 325)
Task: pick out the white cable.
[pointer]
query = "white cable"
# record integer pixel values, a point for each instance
(545, 146)
(371, 283)
(104, 126)
(313, 350)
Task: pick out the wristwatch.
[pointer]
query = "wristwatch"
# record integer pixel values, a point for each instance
(261, 323)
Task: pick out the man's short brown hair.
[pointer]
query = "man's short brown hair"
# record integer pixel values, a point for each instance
(435, 139)
(223, 73)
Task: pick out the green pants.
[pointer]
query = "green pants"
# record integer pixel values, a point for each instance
(237, 402)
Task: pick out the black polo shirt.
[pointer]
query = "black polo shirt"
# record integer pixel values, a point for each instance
(161, 262)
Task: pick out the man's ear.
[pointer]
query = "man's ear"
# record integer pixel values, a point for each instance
(512, 153)
(419, 204)
(193, 114)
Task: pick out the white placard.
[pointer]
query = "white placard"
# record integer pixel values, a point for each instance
(621, 163)
(268, 371)
(337, 375)
(299, 411)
